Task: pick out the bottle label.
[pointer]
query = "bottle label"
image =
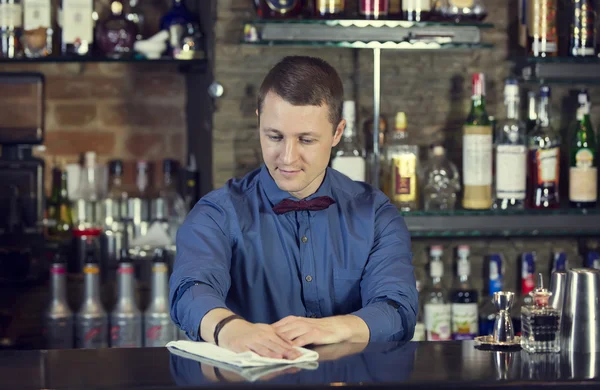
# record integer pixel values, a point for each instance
(374, 7)
(395, 7)
(330, 6)
(547, 165)
(158, 332)
(58, 333)
(352, 166)
(37, 14)
(11, 15)
(511, 171)
(404, 178)
(583, 178)
(437, 321)
(495, 278)
(126, 332)
(462, 3)
(282, 6)
(77, 22)
(419, 332)
(416, 5)
(463, 267)
(436, 269)
(477, 156)
(464, 321)
(91, 333)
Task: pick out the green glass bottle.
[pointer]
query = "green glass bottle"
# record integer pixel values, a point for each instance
(583, 179)
(59, 207)
(477, 151)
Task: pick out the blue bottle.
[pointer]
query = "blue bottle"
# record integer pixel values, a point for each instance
(487, 312)
(179, 22)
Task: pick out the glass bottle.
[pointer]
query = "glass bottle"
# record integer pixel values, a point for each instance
(559, 263)
(527, 286)
(477, 151)
(126, 317)
(441, 181)
(511, 154)
(462, 10)
(437, 308)
(181, 25)
(416, 10)
(544, 152)
(88, 194)
(77, 23)
(487, 310)
(532, 106)
(420, 333)
(158, 327)
(583, 171)
(371, 158)
(117, 196)
(11, 28)
(136, 15)
(59, 210)
(373, 9)
(464, 299)
(280, 9)
(402, 162)
(542, 29)
(395, 9)
(583, 28)
(58, 317)
(116, 35)
(169, 206)
(349, 158)
(540, 323)
(329, 9)
(37, 24)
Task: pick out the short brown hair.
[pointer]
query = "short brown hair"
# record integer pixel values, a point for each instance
(305, 81)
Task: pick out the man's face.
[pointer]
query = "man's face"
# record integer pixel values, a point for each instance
(296, 143)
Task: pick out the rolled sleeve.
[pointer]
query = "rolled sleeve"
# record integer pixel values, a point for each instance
(389, 277)
(201, 274)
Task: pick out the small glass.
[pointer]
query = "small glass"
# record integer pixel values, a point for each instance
(540, 323)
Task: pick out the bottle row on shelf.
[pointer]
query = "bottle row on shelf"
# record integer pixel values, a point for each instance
(509, 164)
(35, 28)
(461, 313)
(125, 326)
(410, 10)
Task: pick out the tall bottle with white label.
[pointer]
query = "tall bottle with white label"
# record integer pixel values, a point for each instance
(464, 299)
(437, 308)
(37, 25)
(77, 23)
(158, 327)
(11, 28)
(583, 171)
(349, 157)
(402, 163)
(477, 151)
(544, 158)
(511, 154)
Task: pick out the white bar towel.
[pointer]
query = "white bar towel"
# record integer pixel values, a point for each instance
(242, 359)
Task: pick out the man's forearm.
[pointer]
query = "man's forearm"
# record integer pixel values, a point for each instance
(358, 331)
(210, 321)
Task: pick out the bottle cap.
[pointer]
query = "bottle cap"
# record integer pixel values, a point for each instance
(401, 122)
(541, 295)
(160, 256)
(439, 150)
(545, 91)
(463, 250)
(478, 84)
(582, 97)
(436, 250)
(511, 88)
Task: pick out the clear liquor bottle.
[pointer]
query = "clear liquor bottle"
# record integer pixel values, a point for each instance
(540, 322)
(437, 309)
(11, 28)
(402, 161)
(77, 24)
(169, 207)
(487, 310)
(544, 158)
(38, 28)
(511, 154)
(441, 181)
(349, 158)
(464, 299)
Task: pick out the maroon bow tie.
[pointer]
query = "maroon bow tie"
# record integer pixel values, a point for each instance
(316, 204)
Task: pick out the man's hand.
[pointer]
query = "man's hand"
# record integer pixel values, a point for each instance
(241, 336)
(303, 331)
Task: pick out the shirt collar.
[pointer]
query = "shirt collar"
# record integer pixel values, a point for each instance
(276, 195)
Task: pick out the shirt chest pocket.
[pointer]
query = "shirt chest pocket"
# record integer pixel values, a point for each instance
(346, 290)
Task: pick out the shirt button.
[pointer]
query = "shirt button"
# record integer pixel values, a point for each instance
(308, 278)
(304, 239)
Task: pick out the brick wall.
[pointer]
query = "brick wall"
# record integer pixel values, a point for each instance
(432, 88)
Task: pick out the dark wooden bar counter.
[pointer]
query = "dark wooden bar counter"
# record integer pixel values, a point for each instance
(422, 365)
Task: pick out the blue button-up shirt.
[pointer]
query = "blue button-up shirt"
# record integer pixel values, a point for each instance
(354, 257)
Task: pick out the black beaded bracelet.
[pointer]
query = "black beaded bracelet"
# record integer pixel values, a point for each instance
(222, 323)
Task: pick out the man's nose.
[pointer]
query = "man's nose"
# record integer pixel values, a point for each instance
(290, 153)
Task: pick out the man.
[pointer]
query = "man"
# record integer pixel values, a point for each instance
(295, 253)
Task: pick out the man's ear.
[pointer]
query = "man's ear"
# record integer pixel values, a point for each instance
(337, 135)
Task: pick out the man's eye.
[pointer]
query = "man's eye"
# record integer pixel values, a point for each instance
(274, 137)
(306, 141)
